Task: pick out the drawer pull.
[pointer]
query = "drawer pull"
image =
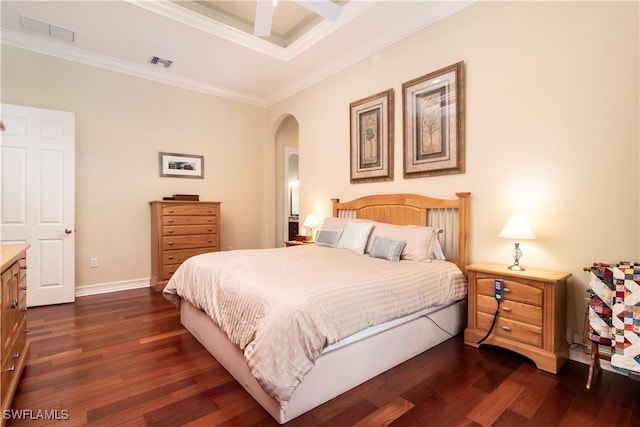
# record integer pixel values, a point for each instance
(24, 267)
(26, 331)
(14, 303)
(170, 257)
(171, 272)
(210, 220)
(12, 368)
(170, 243)
(17, 355)
(24, 288)
(24, 309)
(506, 328)
(170, 231)
(170, 221)
(507, 309)
(210, 241)
(209, 230)
(507, 290)
(170, 211)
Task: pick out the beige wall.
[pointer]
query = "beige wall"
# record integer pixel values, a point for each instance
(122, 123)
(551, 129)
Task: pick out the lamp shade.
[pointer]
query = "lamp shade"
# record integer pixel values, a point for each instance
(517, 228)
(310, 222)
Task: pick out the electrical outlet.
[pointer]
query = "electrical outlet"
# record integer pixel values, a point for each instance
(93, 263)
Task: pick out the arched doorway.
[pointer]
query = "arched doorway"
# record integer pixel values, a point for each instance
(287, 179)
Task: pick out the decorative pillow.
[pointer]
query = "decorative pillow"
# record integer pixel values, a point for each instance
(420, 239)
(328, 237)
(387, 249)
(355, 236)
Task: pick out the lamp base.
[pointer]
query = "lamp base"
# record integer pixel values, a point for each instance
(516, 267)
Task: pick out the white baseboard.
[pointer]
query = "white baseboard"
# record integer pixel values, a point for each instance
(103, 288)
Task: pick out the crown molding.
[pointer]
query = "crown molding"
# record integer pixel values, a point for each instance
(198, 21)
(72, 53)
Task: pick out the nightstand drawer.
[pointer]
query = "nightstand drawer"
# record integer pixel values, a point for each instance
(511, 310)
(512, 330)
(513, 291)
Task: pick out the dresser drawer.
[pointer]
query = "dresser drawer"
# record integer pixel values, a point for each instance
(189, 220)
(513, 291)
(512, 330)
(511, 310)
(181, 255)
(168, 270)
(180, 230)
(185, 242)
(189, 210)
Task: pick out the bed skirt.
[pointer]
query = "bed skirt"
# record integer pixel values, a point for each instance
(335, 371)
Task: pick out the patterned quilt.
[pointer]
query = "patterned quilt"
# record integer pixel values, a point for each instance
(614, 313)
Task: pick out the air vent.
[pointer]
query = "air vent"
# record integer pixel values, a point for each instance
(49, 30)
(166, 63)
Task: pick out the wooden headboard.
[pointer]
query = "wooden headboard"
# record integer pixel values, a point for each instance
(450, 215)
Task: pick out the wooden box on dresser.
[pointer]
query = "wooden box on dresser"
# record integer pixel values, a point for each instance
(179, 230)
(531, 319)
(13, 321)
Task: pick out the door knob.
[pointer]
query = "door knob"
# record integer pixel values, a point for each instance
(68, 231)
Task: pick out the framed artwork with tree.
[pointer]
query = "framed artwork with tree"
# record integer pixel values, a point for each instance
(372, 138)
(433, 118)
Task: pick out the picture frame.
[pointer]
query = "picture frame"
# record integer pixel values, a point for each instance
(371, 130)
(433, 121)
(181, 165)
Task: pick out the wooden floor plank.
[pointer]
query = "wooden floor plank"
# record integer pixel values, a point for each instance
(124, 359)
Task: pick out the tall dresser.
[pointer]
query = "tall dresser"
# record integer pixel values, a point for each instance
(13, 321)
(179, 230)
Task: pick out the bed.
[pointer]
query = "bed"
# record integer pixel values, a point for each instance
(341, 334)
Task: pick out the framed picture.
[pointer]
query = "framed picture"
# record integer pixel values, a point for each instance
(433, 118)
(372, 138)
(181, 165)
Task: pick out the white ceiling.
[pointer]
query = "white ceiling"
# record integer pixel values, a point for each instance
(209, 56)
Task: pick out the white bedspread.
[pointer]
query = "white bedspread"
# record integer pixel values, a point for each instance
(282, 306)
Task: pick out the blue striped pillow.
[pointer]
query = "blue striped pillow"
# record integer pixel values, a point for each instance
(387, 249)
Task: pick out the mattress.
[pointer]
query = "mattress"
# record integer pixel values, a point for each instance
(282, 320)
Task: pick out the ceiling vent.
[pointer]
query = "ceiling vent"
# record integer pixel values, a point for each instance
(49, 30)
(166, 63)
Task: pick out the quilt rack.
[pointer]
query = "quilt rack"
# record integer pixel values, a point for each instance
(614, 316)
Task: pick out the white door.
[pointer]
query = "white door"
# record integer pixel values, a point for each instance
(37, 199)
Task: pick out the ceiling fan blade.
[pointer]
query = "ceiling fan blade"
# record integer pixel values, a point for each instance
(264, 16)
(325, 8)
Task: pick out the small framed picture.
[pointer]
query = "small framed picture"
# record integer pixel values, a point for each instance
(372, 138)
(181, 165)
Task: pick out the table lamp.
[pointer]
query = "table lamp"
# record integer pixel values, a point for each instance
(517, 228)
(310, 222)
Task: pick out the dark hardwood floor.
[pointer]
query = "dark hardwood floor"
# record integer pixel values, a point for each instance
(123, 359)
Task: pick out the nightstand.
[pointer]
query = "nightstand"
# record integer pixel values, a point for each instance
(296, 243)
(532, 318)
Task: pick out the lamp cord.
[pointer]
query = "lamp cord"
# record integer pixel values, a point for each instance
(493, 324)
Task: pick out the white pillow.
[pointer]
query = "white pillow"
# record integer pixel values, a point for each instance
(437, 252)
(355, 236)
